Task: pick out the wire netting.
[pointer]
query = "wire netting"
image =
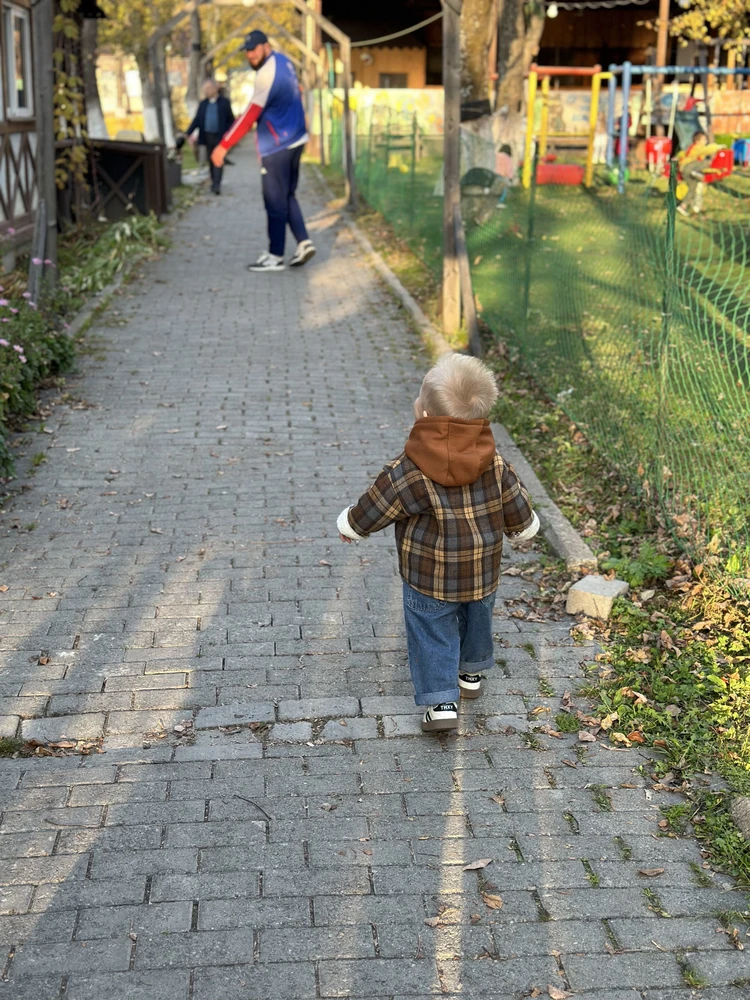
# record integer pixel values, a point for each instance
(635, 318)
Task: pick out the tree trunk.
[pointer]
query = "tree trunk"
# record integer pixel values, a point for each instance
(477, 31)
(520, 27)
(166, 100)
(94, 117)
(192, 97)
(150, 119)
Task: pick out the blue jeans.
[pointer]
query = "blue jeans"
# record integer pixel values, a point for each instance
(279, 174)
(443, 637)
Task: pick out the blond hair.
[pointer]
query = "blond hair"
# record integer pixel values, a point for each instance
(459, 386)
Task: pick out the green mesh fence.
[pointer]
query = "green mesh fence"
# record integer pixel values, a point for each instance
(634, 318)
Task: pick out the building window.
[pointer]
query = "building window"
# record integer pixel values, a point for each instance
(17, 30)
(391, 81)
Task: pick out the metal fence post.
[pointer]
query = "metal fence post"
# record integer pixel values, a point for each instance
(666, 321)
(529, 244)
(624, 120)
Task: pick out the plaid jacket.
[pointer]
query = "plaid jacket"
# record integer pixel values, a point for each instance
(449, 538)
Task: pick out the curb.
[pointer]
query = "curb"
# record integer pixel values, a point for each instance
(556, 528)
(432, 337)
(562, 537)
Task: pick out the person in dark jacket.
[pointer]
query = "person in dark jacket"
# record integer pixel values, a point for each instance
(212, 119)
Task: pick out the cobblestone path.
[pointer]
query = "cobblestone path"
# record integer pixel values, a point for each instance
(298, 838)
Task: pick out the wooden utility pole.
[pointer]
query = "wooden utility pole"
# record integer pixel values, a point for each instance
(42, 14)
(451, 297)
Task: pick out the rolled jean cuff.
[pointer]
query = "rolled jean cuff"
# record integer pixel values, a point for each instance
(464, 667)
(437, 697)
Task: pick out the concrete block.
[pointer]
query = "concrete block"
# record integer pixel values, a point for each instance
(73, 727)
(593, 595)
(239, 714)
(8, 726)
(350, 729)
(292, 732)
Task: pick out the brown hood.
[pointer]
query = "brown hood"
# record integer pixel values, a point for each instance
(449, 451)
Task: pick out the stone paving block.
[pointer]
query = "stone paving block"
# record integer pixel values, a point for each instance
(403, 725)
(236, 834)
(347, 978)
(174, 984)
(350, 729)
(203, 948)
(219, 914)
(120, 921)
(72, 727)
(235, 715)
(73, 956)
(57, 926)
(15, 898)
(47, 988)
(618, 971)
(291, 732)
(389, 706)
(688, 934)
(317, 708)
(87, 893)
(296, 981)
(31, 820)
(143, 722)
(315, 943)
(121, 864)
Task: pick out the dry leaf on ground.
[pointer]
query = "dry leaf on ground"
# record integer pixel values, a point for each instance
(556, 993)
(493, 902)
(474, 866)
(651, 872)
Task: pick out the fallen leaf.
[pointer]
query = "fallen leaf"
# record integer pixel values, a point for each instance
(558, 994)
(72, 449)
(323, 562)
(673, 710)
(493, 902)
(586, 737)
(609, 720)
(636, 737)
(474, 866)
(222, 427)
(474, 918)
(651, 872)
(498, 799)
(156, 531)
(569, 763)
(4, 588)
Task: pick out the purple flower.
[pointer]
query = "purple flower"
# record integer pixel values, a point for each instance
(22, 359)
(32, 305)
(37, 261)
(27, 295)
(14, 311)
(10, 231)
(17, 347)
(3, 342)
(3, 302)
(4, 319)
(48, 262)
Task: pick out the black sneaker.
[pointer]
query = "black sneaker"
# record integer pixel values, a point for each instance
(440, 717)
(470, 685)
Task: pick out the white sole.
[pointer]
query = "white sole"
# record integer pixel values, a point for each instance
(309, 252)
(438, 725)
(261, 270)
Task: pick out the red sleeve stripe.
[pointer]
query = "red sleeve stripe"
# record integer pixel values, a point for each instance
(241, 126)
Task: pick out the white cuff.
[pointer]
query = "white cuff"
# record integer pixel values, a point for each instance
(523, 536)
(345, 528)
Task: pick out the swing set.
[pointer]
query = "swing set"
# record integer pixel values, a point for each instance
(551, 172)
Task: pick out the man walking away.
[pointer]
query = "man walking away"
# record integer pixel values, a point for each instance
(281, 135)
(212, 119)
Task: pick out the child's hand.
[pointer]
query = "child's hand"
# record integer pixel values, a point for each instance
(345, 539)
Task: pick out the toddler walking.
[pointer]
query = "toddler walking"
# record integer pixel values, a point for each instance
(452, 498)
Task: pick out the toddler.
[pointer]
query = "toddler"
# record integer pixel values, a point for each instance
(452, 499)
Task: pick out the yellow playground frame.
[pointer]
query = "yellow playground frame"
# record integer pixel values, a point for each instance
(546, 72)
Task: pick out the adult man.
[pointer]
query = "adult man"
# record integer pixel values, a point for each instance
(212, 119)
(281, 135)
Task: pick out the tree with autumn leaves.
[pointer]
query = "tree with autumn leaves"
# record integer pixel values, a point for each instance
(712, 20)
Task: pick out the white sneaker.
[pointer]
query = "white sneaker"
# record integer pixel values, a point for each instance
(267, 262)
(470, 685)
(440, 717)
(305, 250)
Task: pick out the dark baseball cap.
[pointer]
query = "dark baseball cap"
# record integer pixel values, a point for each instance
(253, 40)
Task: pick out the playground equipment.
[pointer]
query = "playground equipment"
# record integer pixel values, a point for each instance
(559, 173)
(626, 72)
